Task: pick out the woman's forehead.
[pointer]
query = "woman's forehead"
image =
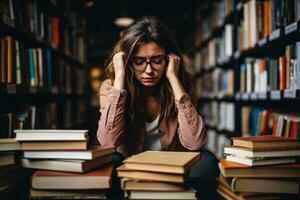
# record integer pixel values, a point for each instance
(149, 49)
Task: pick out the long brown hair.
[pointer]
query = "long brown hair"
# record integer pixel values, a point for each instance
(148, 29)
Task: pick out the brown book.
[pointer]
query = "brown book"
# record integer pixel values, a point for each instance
(163, 161)
(38, 146)
(267, 18)
(7, 158)
(282, 72)
(232, 169)
(71, 194)
(10, 59)
(138, 185)
(265, 185)
(124, 172)
(9, 144)
(66, 165)
(265, 141)
(226, 192)
(99, 178)
(3, 60)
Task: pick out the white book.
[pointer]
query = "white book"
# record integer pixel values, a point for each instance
(242, 152)
(228, 39)
(89, 154)
(259, 162)
(189, 194)
(51, 135)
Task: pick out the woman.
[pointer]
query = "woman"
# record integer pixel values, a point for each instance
(146, 104)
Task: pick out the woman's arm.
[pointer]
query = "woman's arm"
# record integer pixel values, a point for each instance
(112, 105)
(112, 108)
(192, 134)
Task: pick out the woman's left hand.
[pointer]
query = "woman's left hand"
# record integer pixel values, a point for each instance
(173, 66)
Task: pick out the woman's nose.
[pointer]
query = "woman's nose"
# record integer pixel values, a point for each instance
(148, 69)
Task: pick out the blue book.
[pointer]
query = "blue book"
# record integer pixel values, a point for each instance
(31, 67)
(49, 67)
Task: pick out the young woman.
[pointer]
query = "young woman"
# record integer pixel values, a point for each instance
(147, 102)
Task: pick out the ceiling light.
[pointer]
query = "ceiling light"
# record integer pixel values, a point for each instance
(89, 3)
(124, 21)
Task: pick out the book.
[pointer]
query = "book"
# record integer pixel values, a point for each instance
(139, 185)
(226, 192)
(7, 158)
(51, 135)
(89, 154)
(259, 161)
(54, 145)
(232, 169)
(266, 141)
(66, 165)
(189, 194)
(264, 152)
(124, 172)
(68, 194)
(9, 144)
(99, 178)
(265, 185)
(162, 161)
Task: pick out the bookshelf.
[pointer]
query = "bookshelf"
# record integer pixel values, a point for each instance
(261, 54)
(43, 65)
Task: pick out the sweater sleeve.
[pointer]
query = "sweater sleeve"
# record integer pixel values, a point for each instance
(192, 133)
(112, 108)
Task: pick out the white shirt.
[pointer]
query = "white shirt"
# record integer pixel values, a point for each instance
(152, 141)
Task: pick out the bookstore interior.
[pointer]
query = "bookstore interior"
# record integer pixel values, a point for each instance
(243, 55)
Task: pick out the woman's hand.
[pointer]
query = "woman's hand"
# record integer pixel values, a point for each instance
(173, 66)
(119, 68)
(172, 76)
(118, 63)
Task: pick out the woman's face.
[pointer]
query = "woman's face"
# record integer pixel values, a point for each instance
(149, 63)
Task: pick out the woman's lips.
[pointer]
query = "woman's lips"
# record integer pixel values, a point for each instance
(150, 79)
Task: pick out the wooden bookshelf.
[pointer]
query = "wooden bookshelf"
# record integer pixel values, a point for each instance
(269, 47)
(60, 71)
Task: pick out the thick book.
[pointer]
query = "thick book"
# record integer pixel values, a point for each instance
(232, 169)
(163, 161)
(259, 161)
(99, 178)
(66, 165)
(188, 195)
(7, 158)
(68, 194)
(9, 144)
(124, 172)
(265, 152)
(51, 135)
(227, 193)
(89, 154)
(137, 185)
(54, 145)
(265, 141)
(265, 185)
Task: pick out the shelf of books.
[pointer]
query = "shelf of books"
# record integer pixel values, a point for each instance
(42, 78)
(248, 85)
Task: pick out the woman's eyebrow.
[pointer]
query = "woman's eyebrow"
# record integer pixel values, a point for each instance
(149, 57)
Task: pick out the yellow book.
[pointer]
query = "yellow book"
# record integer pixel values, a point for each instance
(163, 161)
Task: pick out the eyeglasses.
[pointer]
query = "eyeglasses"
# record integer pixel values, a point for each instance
(156, 62)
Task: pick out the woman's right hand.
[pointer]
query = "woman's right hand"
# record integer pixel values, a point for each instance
(119, 68)
(118, 63)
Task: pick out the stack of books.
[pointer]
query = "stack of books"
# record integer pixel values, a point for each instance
(12, 176)
(67, 166)
(260, 167)
(158, 175)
